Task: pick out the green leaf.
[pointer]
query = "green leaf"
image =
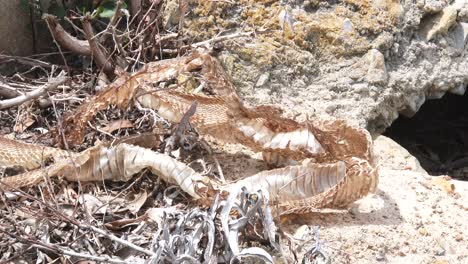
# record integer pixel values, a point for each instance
(108, 8)
(97, 12)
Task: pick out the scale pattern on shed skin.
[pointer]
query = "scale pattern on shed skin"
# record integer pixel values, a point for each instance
(339, 157)
(28, 156)
(97, 163)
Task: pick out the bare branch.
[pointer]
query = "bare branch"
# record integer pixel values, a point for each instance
(27, 61)
(53, 84)
(116, 239)
(60, 250)
(7, 91)
(104, 259)
(135, 6)
(113, 22)
(100, 55)
(64, 38)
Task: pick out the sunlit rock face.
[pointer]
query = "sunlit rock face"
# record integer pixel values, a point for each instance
(364, 61)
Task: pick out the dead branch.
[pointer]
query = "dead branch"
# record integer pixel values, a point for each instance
(116, 239)
(59, 250)
(110, 29)
(183, 7)
(52, 85)
(64, 38)
(27, 61)
(135, 7)
(100, 55)
(117, 14)
(104, 259)
(7, 91)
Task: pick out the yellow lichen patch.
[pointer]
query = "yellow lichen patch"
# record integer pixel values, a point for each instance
(346, 28)
(263, 52)
(327, 30)
(372, 15)
(327, 33)
(207, 19)
(259, 15)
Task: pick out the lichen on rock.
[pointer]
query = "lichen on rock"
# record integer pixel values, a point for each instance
(364, 61)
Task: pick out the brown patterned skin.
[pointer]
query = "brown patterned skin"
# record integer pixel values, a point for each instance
(28, 156)
(223, 115)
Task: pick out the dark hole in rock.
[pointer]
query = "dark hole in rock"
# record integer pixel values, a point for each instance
(437, 135)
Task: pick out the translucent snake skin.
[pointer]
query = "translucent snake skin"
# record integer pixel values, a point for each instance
(334, 160)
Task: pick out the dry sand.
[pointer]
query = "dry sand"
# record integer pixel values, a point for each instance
(413, 218)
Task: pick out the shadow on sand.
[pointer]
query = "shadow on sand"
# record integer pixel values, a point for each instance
(378, 209)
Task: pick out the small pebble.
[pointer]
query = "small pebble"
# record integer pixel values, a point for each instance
(380, 255)
(302, 233)
(440, 261)
(262, 80)
(440, 251)
(423, 231)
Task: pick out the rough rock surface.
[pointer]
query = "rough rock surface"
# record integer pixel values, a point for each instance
(364, 61)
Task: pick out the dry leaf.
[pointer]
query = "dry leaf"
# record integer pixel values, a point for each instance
(116, 125)
(24, 121)
(137, 202)
(122, 223)
(85, 262)
(157, 214)
(93, 204)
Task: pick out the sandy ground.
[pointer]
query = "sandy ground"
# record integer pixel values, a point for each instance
(413, 218)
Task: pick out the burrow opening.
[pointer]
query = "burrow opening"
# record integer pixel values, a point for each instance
(437, 135)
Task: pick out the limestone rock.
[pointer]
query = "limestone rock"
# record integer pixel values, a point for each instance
(434, 6)
(462, 6)
(391, 155)
(439, 23)
(171, 14)
(377, 72)
(364, 61)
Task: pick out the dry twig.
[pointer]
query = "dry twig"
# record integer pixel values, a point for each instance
(116, 239)
(27, 61)
(7, 91)
(53, 84)
(60, 250)
(64, 38)
(99, 54)
(116, 16)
